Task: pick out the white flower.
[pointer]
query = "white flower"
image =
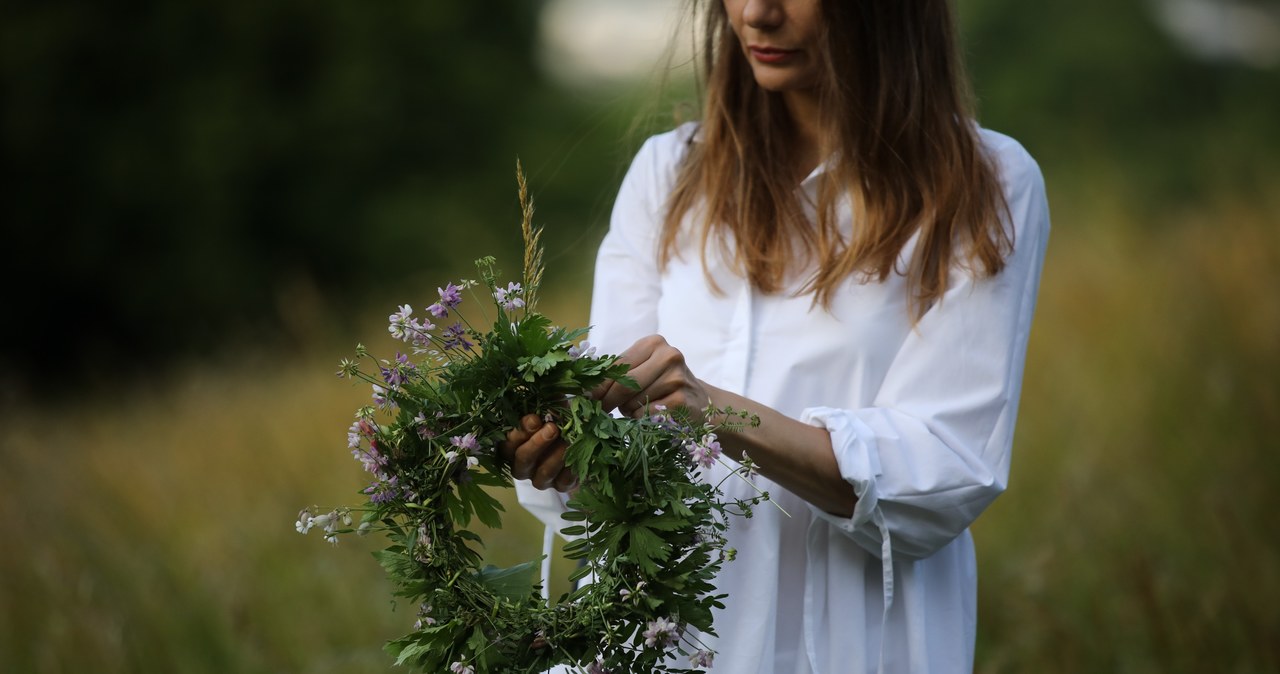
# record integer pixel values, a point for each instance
(660, 632)
(459, 668)
(303, 525)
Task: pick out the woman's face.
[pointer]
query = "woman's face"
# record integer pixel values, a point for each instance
(780, 39)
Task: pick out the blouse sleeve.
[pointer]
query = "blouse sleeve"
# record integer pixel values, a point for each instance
(624, 300)
(932, 451)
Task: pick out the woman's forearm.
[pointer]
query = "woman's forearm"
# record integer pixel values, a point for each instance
(791, 453)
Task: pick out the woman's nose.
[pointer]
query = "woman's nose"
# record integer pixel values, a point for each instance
(763, 14)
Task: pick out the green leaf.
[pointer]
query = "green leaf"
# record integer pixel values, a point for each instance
(515, 583)
(486, 507)
(580, 573)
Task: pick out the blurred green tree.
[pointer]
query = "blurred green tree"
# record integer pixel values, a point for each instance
(169, 167)
(1100, 91)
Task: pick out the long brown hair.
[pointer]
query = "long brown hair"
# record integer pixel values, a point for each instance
(896, 111)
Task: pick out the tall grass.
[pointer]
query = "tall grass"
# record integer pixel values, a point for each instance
(151, 530)
(1138, 533)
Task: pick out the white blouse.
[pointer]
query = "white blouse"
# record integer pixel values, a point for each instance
(921, 421)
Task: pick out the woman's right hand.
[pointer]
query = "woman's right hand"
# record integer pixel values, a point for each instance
(535, 451)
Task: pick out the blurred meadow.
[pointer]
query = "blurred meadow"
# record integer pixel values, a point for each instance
(207, 205)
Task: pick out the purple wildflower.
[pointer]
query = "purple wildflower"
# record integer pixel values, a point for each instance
(383, 491)
(701, 659)
(382, 397)
(424, 617)
(704, 452)
(455, 337)
(459, 668)
(438, 310)
(583, 350)
(466, 442)
(597, 666)
(424, 431)
(660, 633)
(450, 295)
(371, 459)
(509, 297)
(396, 374)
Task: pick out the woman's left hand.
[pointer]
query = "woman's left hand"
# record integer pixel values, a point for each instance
(664, 379)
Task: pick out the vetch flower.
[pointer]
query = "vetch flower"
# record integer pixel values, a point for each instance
(459, 668)
(509, 297)
(701, 659)
(597, 666)
(399, 322)
(371, 459)
(424, 617)
(383, 491)
(660, 632)
(450, 295)
(466, 442)
(420, 422)
(455, 337)
(382, 397)
(396, 374)
(583, 350)
(704, 452)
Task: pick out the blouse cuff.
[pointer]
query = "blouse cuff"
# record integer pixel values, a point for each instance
(854, 444)
(858, 459)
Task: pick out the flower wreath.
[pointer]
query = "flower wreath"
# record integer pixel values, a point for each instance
(647, 530)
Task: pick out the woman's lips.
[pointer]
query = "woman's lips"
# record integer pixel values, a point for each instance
(771, 55)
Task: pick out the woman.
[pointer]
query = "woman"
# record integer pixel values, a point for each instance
(839, 249)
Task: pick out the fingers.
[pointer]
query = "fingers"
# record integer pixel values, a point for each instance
(547, 471)
(536, 451)
(566, 481)
(539, 447)
(656, 366)
(518, 436)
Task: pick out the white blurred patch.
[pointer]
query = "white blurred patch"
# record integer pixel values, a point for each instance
(1227, 30)
(600, 42)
